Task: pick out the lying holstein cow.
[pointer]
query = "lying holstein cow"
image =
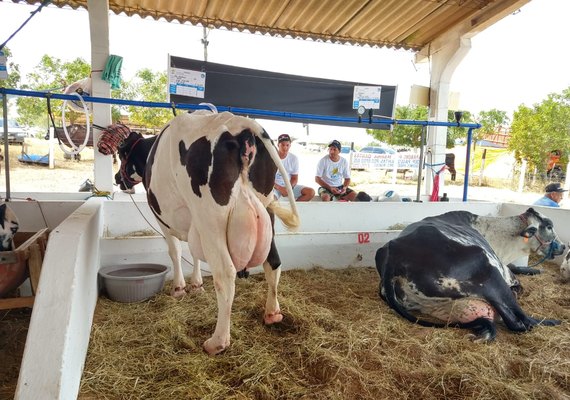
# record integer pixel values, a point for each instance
(451, 270)
(8, 227)
(209, 181)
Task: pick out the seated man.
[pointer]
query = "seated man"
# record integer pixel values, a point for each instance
(552, 197)
(333, 176)
(291, 164)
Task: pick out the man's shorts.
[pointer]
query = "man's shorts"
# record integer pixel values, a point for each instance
(296, 192)
(336, 196)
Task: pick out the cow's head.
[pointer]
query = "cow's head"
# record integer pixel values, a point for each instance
(8, 227)
(128, 175)
(541, 229)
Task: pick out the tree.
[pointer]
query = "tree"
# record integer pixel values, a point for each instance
(147, 86)
(545, 127)
(455, 132)
(403, 135)
(51, 74)
(410, 135)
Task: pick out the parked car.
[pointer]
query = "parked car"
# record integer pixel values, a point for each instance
(16, 134)
(377, 150)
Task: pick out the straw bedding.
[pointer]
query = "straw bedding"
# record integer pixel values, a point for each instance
(338, 340)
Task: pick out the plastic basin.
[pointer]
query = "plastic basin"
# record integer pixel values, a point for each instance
(131, 283)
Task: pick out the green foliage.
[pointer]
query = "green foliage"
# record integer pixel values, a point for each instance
(403, 135)
(147, 86)
(455, 132)
(410, 135)
(545, 127)
(51, 74)
(13, 72)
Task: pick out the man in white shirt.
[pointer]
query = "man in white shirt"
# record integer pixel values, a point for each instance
(291, 164)
(333, 176)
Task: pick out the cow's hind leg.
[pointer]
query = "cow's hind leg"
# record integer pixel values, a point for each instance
(196, 283)
(272, 312)
(175, 253)
(224, 275)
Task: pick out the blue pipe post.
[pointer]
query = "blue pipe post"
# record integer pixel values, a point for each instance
(467, 162)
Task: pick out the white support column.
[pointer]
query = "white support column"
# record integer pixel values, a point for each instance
(444, 62)
(99, 27)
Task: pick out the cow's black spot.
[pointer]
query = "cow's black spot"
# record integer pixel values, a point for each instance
(197, 160)
(226, 168)
(262, 172)
(150, 160)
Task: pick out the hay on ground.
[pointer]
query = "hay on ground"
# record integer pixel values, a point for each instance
(338, 340)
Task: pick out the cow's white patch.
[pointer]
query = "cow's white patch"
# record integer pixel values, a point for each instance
(449, 283)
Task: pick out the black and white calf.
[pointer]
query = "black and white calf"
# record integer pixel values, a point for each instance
(451, 270)
(9, 225)
(209, 181)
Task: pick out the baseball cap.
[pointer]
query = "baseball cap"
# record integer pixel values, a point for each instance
(554, 187)
(336, 144)
(283, 138)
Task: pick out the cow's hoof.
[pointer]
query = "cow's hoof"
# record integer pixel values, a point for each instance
(194, 288)
(213, 348)
(178, 292)
(273, 318)
(549, 322)
(243, 274)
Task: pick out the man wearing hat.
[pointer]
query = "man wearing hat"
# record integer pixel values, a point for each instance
(552, 197)
(333, 175)
(291, 164)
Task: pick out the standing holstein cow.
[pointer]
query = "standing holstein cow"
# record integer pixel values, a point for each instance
(451, 270)
(209, 181)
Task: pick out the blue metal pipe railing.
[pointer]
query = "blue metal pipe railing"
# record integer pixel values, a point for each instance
(359, 122)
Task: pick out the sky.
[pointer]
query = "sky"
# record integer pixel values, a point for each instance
(518, 60)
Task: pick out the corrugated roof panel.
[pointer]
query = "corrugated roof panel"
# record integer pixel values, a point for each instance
(409, 24)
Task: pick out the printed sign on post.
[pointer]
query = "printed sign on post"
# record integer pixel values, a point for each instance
(367, 96)
(186, 82)
(3, 69)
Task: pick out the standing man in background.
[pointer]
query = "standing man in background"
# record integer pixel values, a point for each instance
(333, 175)
(291, 164)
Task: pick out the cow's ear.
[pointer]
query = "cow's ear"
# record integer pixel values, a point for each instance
(529, 232)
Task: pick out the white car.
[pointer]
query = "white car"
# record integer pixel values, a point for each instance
(16, 134)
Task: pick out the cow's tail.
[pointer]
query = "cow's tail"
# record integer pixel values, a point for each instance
(388, 284)
(289, 217)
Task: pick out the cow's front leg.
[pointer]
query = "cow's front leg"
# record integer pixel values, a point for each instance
(175, 253)
(272, 312)
(224, 275)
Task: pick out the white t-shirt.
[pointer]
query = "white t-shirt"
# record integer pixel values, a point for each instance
(333, 173)
(291, 164)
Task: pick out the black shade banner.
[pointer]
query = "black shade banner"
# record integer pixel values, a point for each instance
(249, 88)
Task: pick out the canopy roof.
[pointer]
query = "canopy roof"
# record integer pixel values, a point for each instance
(406, 24)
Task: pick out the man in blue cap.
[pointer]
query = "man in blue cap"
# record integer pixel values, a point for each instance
(552, 197)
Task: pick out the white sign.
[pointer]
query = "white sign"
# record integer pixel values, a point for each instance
(3, 69)
(367, 96)
(385, 161)
(186, 82)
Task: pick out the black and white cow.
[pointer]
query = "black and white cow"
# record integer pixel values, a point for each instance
(451, 270)
(209, 181)
(9, 225)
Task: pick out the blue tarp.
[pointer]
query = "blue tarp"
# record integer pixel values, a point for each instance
(34, 158)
